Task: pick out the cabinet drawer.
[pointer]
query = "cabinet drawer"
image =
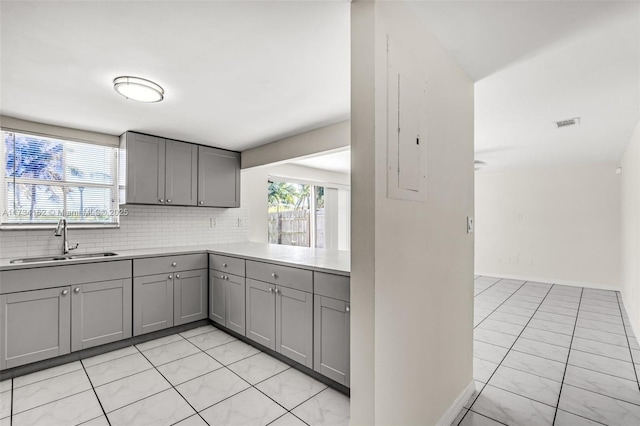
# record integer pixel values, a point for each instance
(165, 264)
(59, 276)
(300, 279)
(330, 285)
(231, 265)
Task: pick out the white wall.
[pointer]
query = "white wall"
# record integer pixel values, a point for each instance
(630, 229)
(143, 227)
(254, 191)
(411, 262)
(557, 225)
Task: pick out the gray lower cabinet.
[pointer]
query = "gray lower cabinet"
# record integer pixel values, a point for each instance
(190, 296)
(152, 303)
(100, 313)
(218, 177)
(261, 313)
(281, 319)
(164, 300)
(35, 326)
(227, 301)
(332, 338)
(294, 325)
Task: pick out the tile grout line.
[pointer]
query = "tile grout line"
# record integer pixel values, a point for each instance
(226, 367)
(567, 363)
(95, 393)
(11, 410)
(476, 295)
(635, 371)
(250, 384)
(171, 384)
(497, 307)
(507, 353)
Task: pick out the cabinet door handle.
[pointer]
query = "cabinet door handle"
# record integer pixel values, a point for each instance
(224, 264)
(201, 202)
(270, 290)
(65, 292)
(177, 275)
(170, 277)
(161, 200)
(348, 309)
(226, 277)
(277, 291)
(174, 264)
(76, 290)
(169, 201)
(274, 275)
(222, 277)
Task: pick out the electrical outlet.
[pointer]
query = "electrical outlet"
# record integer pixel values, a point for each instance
(239, 222)
(469, 224)
(212, 222)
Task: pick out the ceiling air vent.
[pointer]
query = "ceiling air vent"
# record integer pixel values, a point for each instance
(568, 122)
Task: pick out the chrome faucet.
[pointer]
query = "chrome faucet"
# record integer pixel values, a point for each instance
(61, 230)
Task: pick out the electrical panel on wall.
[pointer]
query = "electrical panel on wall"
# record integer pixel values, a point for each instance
(406, 125)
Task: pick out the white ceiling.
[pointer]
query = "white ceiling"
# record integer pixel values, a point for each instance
(538, 62)
(236, 74)
(339, 162)
(240, 74)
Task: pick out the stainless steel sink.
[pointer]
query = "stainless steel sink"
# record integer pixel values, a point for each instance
(89, 255)
(61, 257)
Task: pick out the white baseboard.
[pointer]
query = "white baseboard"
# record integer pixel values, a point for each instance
(450, 415)
(550, 281)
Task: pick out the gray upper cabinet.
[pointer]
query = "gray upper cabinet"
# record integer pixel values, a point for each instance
(218, 177)
(35, 326)
(100, 313)
(294, 325)
(190, 296)
(152, 303)
(142, 169)
(181, 177)
(162, 171)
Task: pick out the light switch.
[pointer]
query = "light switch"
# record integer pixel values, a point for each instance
(469, 224)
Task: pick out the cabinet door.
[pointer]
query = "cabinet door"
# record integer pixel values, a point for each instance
(190, 296)
(217, 301)
(145, 169)
(294, 325)
(181, 180)
(100, 313)
(218, 177)
(35, 326)
(235, 303)
(261, 313)
(152, 303)
(331, 339)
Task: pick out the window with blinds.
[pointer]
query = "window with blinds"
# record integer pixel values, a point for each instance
(46, 179)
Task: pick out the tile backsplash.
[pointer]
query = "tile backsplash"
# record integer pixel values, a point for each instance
(143, 227)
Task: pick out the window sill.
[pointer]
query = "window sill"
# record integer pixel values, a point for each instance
(48, 226)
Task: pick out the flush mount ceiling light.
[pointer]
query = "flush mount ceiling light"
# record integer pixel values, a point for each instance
(138, 89)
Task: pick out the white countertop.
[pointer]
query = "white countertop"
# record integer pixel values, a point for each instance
(335, 261)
